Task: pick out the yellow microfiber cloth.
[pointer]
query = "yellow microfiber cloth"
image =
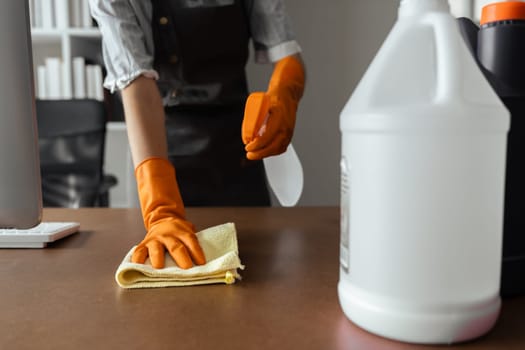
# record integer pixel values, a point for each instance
(220, 248)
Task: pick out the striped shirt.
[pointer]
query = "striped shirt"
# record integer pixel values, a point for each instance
(127, 38)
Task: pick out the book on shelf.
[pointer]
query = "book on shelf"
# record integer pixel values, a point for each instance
(31, 5)
(41, 81)
(54, 82)
(67, 88)
(87, 21)
(53, 78)
(36, 13)
(79, 77)
(60, 14)
(94, 86)
(75, 13)
(48, 15)
(99, 85)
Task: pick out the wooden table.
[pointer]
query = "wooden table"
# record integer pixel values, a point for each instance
(65, 296)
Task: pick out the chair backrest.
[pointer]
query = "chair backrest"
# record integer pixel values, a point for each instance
(71, 137)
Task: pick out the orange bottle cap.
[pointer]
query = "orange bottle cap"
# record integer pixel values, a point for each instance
(503, 11)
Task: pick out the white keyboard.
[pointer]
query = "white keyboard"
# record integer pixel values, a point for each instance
(38, 236)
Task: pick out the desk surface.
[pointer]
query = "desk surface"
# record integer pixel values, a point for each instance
(65, 296)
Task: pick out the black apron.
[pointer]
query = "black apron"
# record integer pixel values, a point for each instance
(201, 49)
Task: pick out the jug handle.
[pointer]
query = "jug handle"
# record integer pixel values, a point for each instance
(448, 69)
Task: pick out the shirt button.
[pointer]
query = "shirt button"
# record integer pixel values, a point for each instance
(163, 21)
(174, 59)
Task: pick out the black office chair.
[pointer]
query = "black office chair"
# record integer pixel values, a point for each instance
(71, 137)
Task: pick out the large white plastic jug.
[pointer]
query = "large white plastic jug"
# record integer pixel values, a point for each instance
(422, 182)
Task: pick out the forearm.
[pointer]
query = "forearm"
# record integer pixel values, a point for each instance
(144, 115)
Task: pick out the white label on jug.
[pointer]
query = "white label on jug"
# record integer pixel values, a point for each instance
(344, 254)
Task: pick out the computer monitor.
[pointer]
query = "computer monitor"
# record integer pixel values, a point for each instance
(20, 188)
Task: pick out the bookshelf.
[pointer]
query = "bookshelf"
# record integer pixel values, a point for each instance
(67, 59)
(68, 35)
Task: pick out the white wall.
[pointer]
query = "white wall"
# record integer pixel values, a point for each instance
(339, 38)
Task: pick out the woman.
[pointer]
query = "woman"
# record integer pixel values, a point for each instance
(180, 66)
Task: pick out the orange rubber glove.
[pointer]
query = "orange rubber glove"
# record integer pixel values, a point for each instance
(164, 218)
(269, 117)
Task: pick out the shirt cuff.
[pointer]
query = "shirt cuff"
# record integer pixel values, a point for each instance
(278, 52)
(121, 82)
